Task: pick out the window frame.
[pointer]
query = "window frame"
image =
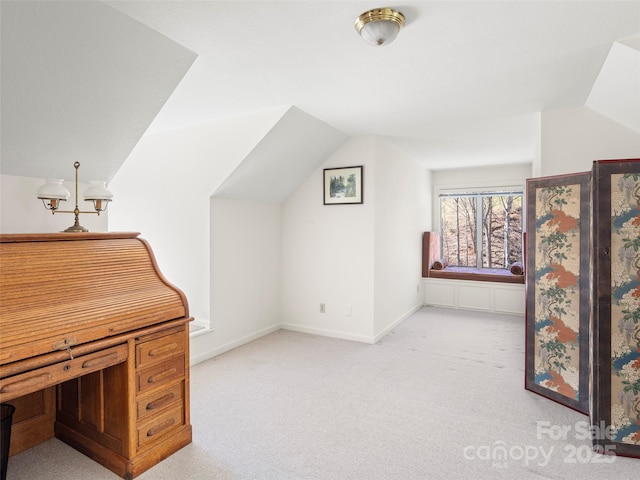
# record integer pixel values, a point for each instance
(479, 231)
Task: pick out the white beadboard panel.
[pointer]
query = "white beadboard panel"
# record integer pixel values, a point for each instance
(494, 297)
(474, 297)
(509, 299)
(439, 294)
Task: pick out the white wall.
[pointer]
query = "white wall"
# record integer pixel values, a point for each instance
(572, 138)
(327, 253)
(429, 205)
(536, 161)
(163, 191)
(245, 274)
(402, 214)
(361, 261)
(482, 176)
(22, 212)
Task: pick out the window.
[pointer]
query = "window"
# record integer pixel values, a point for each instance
(481, 230)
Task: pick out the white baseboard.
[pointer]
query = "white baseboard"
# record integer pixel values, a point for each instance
(397, 322)
(202, 355)
(327, 333)
(200, 340)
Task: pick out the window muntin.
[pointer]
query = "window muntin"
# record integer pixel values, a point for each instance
(481, 229)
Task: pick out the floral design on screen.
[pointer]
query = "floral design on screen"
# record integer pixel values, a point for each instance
(625, 307)
(557, 269)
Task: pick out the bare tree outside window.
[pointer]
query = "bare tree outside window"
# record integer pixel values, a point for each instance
(481, 230)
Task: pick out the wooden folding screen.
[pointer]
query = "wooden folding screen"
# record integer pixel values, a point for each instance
(583, 298)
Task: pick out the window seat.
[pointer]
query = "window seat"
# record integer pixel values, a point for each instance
(477, 274)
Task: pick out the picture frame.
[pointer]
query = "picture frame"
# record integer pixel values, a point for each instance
(557, 360)
(615, 402)
(343, 185)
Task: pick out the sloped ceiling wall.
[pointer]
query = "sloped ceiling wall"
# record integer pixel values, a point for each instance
(616, 91)
(296, 145)
(80, 82)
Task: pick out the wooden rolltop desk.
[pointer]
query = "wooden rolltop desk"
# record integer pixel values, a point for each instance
(94, 348)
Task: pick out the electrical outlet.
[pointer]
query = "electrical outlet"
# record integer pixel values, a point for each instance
(322, 308)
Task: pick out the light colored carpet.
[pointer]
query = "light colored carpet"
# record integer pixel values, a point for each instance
(434, 399)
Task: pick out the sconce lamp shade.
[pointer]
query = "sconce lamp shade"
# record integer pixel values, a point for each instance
(98, 194)
(54, 192)
(53, 188)
(379, 26)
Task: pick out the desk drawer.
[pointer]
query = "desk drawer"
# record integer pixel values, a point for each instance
(34, 380)
(160, 426)
(157, 402)
(159, 375)
(159, 349)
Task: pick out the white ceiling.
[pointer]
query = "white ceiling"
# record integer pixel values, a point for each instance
(462, 84)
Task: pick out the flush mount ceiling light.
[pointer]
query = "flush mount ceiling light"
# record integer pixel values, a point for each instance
(379, 26)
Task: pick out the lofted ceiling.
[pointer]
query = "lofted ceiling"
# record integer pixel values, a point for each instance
(462, 84)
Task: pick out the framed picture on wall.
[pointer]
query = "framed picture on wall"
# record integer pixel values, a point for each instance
(343, 185)
(558, 272)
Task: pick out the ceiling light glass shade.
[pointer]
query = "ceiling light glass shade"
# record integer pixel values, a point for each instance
(379, 26)
(98, 194)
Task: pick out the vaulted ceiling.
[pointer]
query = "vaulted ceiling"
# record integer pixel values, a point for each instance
(462, 84)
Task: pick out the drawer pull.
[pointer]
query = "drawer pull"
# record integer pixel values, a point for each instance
(99, 361)
(160, 428)
(26, 383)
(163, 350)
(161, 402)
(162, 375)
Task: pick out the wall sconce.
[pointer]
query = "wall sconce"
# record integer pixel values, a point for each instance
(53, 192)
(379, 26)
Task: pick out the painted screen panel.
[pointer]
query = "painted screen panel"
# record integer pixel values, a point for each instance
(616, 387)
(558, 219)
